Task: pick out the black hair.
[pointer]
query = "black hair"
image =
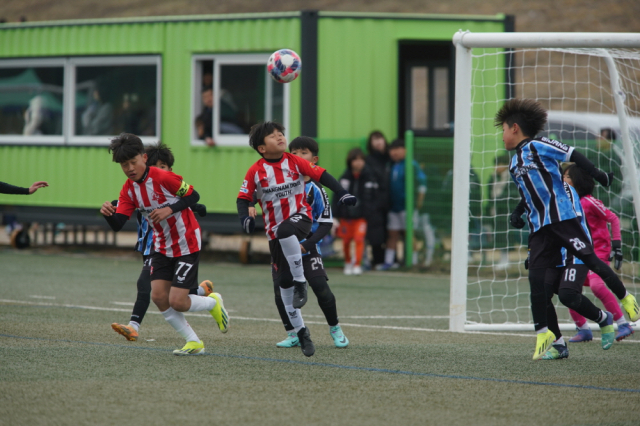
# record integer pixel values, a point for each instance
(304, 142)
(527, 113)
(125, 146)
(159, 152)
(260, 131)
(353, 154)
(376, 134)
(397, 143)
(581, 180)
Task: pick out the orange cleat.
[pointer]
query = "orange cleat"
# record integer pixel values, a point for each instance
(127, 331)
(207, 286)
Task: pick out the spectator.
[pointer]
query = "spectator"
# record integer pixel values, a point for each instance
(360, 181)
(378, 161)
(97, 119)
(396, 218)
(204, 122)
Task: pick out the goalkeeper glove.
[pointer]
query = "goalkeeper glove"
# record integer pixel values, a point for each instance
(347, 199)
(248, 224)
(616, 253)
(516, 220)
(605, 179)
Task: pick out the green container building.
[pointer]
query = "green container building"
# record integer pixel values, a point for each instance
(66, 87)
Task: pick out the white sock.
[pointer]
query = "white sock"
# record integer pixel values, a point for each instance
(621, 320)
(179, 323)
(560, 341)
(136, 326)
(602, 316)
(542, 330)
(295, 315)
(201, 303)
(585, 326)
(291, 249)
(200, 291)
(389, 256)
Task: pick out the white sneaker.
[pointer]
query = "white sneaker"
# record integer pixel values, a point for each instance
(348, 269)
(357, 270)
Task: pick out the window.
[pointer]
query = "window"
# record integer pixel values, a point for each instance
(231, 94)
(426, 91)
(79, 101)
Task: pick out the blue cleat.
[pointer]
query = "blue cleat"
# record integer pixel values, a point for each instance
(339, 339)
(624, 330)
(582, 336)
(290, 342)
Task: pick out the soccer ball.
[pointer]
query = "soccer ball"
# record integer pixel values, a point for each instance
(284, 65)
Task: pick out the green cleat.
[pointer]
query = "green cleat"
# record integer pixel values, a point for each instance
(219, 313)
(556, 352)
(543, 343)
(290, 342)
(630, 305)
(339, 339)
(191, 348)
(607, 331)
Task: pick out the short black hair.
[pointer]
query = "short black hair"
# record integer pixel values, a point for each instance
(260, 131)
(581, 180)
(376, 134)
(125, 146)
(159, 152)
(528, 113)
(353, 154)
(397, 143)
(304, 142)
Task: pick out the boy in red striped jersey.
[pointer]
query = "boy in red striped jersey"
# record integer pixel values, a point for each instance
(163, 197)
(278, 180)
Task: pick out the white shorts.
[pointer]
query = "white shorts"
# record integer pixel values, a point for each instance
(396, 221)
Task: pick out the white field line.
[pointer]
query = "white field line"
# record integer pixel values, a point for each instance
(385, 327)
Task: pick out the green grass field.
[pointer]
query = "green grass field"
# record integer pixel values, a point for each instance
(61, 364)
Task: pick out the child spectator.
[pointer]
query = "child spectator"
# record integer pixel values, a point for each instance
(361, 181)
(396, 219)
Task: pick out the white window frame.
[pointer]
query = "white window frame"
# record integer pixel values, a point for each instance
(196, 105)
(37, 139)
(69, 65)
(103, 140)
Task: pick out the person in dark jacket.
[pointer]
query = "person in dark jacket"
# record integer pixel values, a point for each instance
(378, 161)
(361, 180)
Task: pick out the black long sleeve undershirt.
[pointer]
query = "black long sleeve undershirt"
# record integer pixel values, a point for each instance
(6, 188)
(323, 229)
(117, 220)
(586, 165)
(330, 182)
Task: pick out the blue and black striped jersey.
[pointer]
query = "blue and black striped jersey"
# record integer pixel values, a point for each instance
(320, 207)
(567, 258)
(535, 168)
(145, 235)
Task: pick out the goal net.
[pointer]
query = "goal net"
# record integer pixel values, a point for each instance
(590, 84)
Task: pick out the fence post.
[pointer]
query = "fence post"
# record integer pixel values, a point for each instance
(409, 179)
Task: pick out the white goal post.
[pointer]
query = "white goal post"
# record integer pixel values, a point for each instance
(586, 62)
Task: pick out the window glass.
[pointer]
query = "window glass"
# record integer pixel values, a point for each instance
(419, 97)
(241, 97)
(115, 99)
(441, 98)
(31, 101)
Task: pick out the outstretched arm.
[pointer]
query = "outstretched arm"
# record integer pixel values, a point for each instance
(605, 179)
(343, 196)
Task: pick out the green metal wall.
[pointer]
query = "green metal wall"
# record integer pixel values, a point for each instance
(86, 177)
(357, 92)
(358, 67)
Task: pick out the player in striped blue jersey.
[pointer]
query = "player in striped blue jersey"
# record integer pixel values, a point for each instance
(566, 280)
(553, 222)
(160, 156)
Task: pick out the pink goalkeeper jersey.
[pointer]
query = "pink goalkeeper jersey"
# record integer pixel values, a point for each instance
(598, 216)
(280, 188)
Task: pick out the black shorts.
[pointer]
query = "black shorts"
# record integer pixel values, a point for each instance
(571, 276)
(313, 266)
(279, 264)
(545, 244)
(181, 271)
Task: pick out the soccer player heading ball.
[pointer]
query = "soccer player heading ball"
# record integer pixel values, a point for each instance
(278, 181)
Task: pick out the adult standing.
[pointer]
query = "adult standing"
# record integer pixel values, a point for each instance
(378, 160)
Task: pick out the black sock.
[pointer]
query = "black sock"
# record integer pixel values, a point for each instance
(326, 299)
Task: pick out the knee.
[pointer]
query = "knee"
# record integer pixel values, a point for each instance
(160, 299)
(569, 298)
(285, 230)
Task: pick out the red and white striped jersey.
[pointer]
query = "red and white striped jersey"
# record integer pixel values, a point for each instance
(177, 235)
(279, 186)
